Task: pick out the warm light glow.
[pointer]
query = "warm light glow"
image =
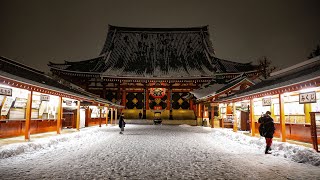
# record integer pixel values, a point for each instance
(309, 90)
(267, 96)
(287, 94)
(5, 86)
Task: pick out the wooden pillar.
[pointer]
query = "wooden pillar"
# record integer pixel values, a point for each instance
(78, 116)
(107, 113)
(86, 124)
(170, 113)
(272, 110)
(199, 114)
(199, 110)
(191, 104)
(168, 99)
(144, 114)
(100, 117)
(314, 135)
(104, 92)
(147, 99)
(282, 119)
(253, 129)
(307, 110)
(235, 118)
(60, 112)
(124, 98)
(212, 116)
(202, 113)
(28, 117)
(111, 117)
(115, 116)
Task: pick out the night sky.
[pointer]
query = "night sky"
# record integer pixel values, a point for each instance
(35, 32)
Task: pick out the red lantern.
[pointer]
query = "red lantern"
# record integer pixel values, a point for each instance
(157, 92)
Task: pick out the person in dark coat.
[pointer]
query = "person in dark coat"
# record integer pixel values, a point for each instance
(140, 115)
(267, 130)
(121, 123)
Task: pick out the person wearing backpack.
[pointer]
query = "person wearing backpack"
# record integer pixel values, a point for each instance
(266, 130)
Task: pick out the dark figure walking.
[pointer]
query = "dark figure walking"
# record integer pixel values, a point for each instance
(122, 124)
(140, 115)
(267, 130)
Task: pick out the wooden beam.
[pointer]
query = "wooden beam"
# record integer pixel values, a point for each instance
(124, 98)
(282, 118)
(107, 113)
(100, 117)
(111, 117)
(147, 99)
(235, 120)
(307, 110)
(59, 118)
(253, 129)
(168, 100)
(78, 116)
(212, 116)
(115, 116)
(28, 117)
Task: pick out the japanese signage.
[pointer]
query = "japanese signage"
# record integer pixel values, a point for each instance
(44, 97)
(309, 97)
(244, 105)
(5, 91)
(266, 101)
(6, 106)
(68, 103)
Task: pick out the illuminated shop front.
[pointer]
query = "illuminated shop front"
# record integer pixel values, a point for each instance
(292, 95)
(31, 102)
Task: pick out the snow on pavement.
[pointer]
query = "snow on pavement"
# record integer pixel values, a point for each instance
(156, 152)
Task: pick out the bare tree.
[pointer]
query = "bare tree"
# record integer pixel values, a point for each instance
(315, 52)
(265, 67)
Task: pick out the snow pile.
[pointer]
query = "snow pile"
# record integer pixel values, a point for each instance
(46, 143)
(294, 152)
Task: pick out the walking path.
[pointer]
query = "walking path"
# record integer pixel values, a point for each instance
(149, 152)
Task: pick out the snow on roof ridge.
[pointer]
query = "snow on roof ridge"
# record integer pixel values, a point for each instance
(304, 63)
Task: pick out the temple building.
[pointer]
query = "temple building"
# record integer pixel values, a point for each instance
(152, 69)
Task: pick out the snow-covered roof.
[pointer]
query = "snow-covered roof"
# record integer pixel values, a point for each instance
(296, 74)
(24, 74)
(155, 53)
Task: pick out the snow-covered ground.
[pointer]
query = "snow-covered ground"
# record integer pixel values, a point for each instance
(156, 152)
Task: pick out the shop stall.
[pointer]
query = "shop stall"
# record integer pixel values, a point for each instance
(32, 102)
(291, 95)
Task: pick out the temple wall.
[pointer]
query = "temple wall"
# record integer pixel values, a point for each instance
(179, 114)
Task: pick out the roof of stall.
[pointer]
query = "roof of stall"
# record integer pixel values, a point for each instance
(292, 76)
(212, 88)
(24, 74)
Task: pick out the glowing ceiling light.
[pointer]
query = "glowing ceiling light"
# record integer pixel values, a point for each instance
(309, 90)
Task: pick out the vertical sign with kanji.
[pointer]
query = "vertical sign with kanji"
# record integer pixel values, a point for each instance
(309, 97)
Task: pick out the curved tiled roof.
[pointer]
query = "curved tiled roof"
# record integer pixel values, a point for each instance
(307, 71)
(155, 52)
(25, 74)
